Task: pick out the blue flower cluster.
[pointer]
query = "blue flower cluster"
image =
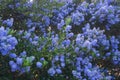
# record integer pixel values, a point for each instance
(62, 13)
(7, 42)
(86, 71)
(22, 63)
(57, 68)
(101, 13)
(72, 43)
(9, 22)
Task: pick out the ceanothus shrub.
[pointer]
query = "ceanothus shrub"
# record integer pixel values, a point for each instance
(68, 44)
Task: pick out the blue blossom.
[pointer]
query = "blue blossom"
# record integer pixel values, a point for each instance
(32, 29)
(12, 41)
(46, 20)
(27, 35)
(28, 5)
(56, 58)
(116, 57)
(104, 9)
(87, 27)
(87, 44)
(94, 42)
(77, 49)
(35, 43)
(42, 59)
(69, 35)
(77, 74)
(114, 42)
(111, 18)
(36, 38)
(107, 26)
(55, 40)
(108, 54)
(51, 71)
(89, 65)
(68, 28)
(109, 1)
(62, 64)
(58, 71)
(29, 23)
(3, 32)
(79, 39)
(92, 19)
(11, 6)
(12, 55)
(84, 68)
(102, 18)
(7, 42)
(105, 43)
(62, 58)
(39, 64)
(23, 54)
(19, 61)
(17, 4)
(60, 25)
(77, 18)
(66, 43)
(9, 22)
(11, 62)
(13, 66)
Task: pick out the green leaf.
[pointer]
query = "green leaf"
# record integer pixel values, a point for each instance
(28, 61)
(11, 31)
(45, 63)
(93, 54)
(68, 20)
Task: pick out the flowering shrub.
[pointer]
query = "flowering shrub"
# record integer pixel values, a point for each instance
(72, 42)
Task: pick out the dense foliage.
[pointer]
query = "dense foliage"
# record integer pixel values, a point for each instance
(59, 41)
